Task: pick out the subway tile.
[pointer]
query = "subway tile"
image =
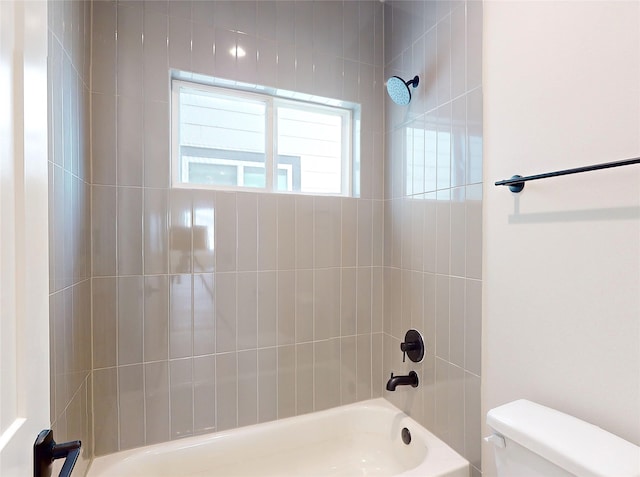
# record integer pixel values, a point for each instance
(473, 326)
(179, 43)
(204, 340)
(155, 63)
(180, 316)
(348, 303)
(458, 141)
(266, 20)
(156, 318)
(442, 321)
(474, 44)
(349, 233)
(304, 232)
(247, 64)
(247, 306)
(103, 139)
(327, 32)
(130, 161)
(286, 381)
(226, 232)
(286, 308)
(129, 49)
(443, 233)
(104, 47)
(326, 374)
(156, 388)
(473, 241)
(203, 231)
(130, 319)
(204, 394)
(226, 391)
(247, 387)
(268, 232)
(286, 232)
(348, 370)
(225, 59)
(105, 411)
(458, 232)
(267, 384)
(203, 44)
(131, 404)
(245, 15)
(377, 300)
(247, 251)
(286, 65)
(181, 398)
(304, 378)
(474, 135)
(326, 303)
(285, 21)
(457, 321)
(267, 309)
(129, 231)
(327, 222)
(365, 225)
(456, 409)
(458, 51)
(441, 397)
(180, 231)
(104, 322)
(472, 420)
(377, 244)
(225, 312)
(156, 144)
(180, 9)
(416, 284)
(304, 306)
(367, 33)
(377, 367)
(363, 300)
(365, 353)
(156, 231)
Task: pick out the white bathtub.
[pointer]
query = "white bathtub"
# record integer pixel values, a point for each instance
(357, 439)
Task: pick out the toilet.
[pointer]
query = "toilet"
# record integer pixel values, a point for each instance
(531, 440)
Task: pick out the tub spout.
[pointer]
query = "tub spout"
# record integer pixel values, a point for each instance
(410, 379)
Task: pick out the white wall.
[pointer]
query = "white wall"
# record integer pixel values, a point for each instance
(562, 259)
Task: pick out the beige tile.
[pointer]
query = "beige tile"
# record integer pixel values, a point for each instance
(180, 231)
(267, 309)
(155, 54)
(267, 384)
(103, 231)
(458, 232)
(104, 322)
(365, 227)
(417, 301)
(364, 366)
(377, 244)
(428, 387)
(286, 376)
(348, 290)
(180, 316)
(129, 126)
(456, 409)
(443, 287)
(105, 408)
(304, 378)
(457, 322)
(326, 374)
(474, 135)
(326, 303)
(304, 306)
(156, 231)
(129, 54)
(104, 47)
(247, 387)
(406, 299)
(474, 47)
(203, 231)
(247, 310)
(474, 232)
(225, 232)
(286, 307)
(226, 391)
(203, 41)
(225, 310)
(441, 396)
(204, 394)
(348, 370)
(156, 318)
(181, 399)
(304, 232)
(444, 59)
(443, 236)
(286, 232)
(130, 319)
(377, 370)
(129, 231)
(268, 232)
(179, 43)
(473, 327)
(417, 234)
(156, 387)
(472, 419)
(429, 310)
(328, 227)
(156, 140)
(363, 300)
(377, 297)
(247, 208)
(131, 404)
(204, 339)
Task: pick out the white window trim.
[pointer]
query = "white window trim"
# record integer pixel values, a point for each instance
(272, 102)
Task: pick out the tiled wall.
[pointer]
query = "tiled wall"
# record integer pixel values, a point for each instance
(284, 315)
(433, 214)
(69, 224)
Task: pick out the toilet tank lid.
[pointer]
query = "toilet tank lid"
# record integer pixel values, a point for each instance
(570, 443)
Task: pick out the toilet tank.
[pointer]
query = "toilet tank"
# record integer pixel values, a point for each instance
(532, 440)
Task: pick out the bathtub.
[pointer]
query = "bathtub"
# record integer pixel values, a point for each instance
(358, 439)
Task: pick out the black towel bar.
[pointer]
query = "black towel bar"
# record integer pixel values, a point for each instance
(516, 183)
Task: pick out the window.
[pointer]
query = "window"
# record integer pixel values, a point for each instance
(230, 139)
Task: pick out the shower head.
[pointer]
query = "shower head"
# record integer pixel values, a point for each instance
(399, 91)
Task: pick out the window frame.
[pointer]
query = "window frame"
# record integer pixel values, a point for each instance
(272, 102)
